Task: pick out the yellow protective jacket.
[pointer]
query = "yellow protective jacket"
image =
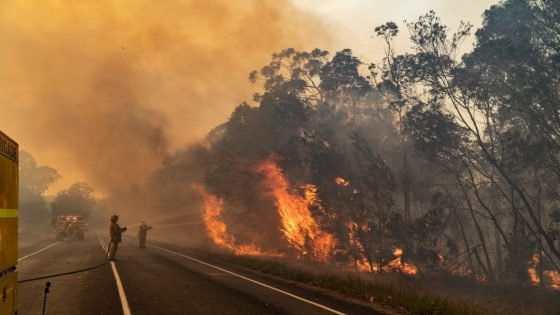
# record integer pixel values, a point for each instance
(116, 231)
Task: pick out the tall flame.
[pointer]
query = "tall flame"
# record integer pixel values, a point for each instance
(299, 227)
(217, 229)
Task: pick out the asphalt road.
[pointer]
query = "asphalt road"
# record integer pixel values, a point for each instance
(162, 279)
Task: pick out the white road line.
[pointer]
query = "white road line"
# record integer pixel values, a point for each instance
(122, 295)
(124, 301)
(37, 252)
(102, 242)
(253, 281)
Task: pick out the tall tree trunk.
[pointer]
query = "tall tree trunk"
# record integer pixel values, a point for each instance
(406, 186)
(488, 268)
(499, 256)
(538, 267)
(466, 241)
(463, 233)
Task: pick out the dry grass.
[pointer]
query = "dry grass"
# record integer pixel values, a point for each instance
(353, 285)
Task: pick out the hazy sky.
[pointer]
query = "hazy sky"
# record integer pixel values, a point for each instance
(352, 21)
(104, 90)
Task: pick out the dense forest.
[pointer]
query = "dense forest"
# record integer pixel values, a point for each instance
(428, 161)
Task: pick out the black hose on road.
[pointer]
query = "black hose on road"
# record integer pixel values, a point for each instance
(54, 275)
(63, 273)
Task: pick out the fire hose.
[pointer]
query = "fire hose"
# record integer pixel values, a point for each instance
(79, 270)
(54, 275)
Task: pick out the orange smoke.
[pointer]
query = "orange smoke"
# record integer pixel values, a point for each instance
(217, 229)
(299, 227)
(88, 87)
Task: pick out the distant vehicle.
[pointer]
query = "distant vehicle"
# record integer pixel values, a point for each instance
(70, 228)
(9, 215)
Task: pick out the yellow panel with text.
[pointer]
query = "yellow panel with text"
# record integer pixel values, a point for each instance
(9, 184)
(8, 294)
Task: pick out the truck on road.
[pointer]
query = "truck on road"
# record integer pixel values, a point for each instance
(70, 228)
(9, 214)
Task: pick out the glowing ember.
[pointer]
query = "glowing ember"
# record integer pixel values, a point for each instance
(298, 225)
(341, 182)
(217, 229)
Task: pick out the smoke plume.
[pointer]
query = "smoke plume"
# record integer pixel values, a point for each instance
(104, 90)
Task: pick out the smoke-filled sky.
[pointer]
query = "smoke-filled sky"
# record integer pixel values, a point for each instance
(104, 90)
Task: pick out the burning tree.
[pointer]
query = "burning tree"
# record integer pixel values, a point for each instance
(275, 166)
(427, 162)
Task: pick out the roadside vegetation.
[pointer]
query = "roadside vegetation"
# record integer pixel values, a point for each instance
(352, 285)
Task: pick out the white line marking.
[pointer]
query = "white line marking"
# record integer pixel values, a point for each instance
(253, 281)
(122, 295)
(124, 301)
(37, 252)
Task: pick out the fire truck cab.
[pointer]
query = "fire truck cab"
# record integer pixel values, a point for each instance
(70, 228)
(9, 181)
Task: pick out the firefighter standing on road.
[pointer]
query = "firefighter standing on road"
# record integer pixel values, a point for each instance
(116, 236)
(143, 233)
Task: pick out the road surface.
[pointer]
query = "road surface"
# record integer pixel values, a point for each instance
(162, 279)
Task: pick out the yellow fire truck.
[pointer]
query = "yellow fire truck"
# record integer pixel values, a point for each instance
(9, 183)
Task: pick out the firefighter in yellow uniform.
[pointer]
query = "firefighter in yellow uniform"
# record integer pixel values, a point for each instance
(116, 236)
(143, 233)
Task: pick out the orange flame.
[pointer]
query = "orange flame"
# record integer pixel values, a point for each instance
(398, 265)
(554, 277)
(532, 271)
(217, 229)
(363, 266)
(341, 182)
(299, 227)
(551, 277)
(360, 263)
